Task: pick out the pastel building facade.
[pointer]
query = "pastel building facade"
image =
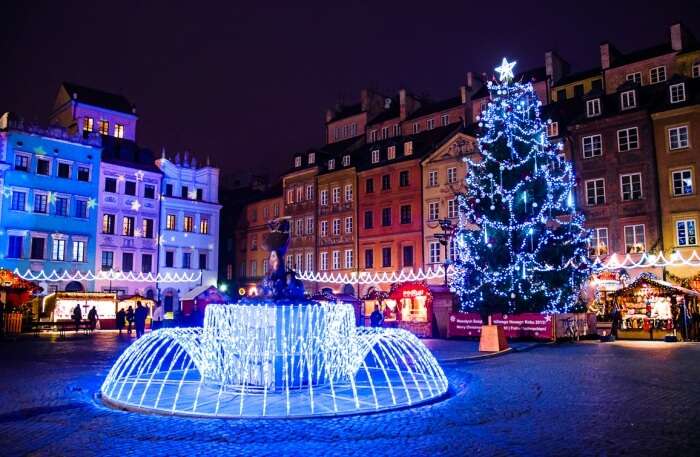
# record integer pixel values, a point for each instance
(49, 183)
(189, 229)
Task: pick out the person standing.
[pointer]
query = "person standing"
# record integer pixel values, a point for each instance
(376, 319)
(140, 319)
(92, 318)
(158, 316)
(129, 319)
(77, 317)
(121, 320)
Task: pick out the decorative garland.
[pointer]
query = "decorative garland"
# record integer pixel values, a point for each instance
(55, 276)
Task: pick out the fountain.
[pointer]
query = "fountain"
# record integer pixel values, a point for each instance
(280, 355)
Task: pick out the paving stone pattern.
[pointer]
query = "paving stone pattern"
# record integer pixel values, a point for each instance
(568, 399)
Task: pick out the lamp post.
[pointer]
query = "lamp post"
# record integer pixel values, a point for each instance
(444, 238)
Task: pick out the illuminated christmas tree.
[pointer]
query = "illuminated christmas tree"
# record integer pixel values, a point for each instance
(521, 244)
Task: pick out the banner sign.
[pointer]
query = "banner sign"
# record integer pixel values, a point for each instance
(526, 325)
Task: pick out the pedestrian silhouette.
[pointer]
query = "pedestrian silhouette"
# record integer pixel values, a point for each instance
(77, 317)
(121, 320)
(129, 319)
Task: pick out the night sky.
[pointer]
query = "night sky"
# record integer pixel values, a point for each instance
(249, 85)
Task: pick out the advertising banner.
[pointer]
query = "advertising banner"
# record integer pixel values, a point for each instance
(526, 325)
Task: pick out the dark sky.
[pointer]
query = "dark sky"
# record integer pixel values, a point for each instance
(249, 85)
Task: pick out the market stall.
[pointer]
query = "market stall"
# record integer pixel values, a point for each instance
(198, 298)
(653, 309)
(59, 306)
(15, 291)
(407, 305)
(126, 301)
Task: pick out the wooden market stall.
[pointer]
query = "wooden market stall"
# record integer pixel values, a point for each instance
(59, 306)
(407, 305)
(653, 309)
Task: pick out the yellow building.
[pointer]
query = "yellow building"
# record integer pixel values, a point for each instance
(444, 173)
(577, 85)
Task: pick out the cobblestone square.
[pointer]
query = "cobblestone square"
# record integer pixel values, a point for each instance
(625, 398)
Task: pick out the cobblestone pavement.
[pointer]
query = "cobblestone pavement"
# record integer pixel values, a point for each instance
(568, 399)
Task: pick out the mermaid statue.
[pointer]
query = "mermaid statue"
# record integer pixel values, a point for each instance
(279, 283)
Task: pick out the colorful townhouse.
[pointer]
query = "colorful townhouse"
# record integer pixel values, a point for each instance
(189, 229)
(49, 180)
(299, 192)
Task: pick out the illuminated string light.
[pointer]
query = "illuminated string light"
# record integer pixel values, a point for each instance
(111, 275)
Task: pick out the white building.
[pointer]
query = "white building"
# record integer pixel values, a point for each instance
(189, 231)
(128, 217)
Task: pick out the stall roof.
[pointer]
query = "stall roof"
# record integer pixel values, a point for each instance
(655, 283)
(11, 280)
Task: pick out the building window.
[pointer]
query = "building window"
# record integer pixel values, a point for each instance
(14, 250)
(451, 175)
(297, 161)
(386, 257)
(184, 192)
(386, 217)
(657, 75)
(386, 182)
(88, 124)
(276, 210)
(348, 192)
(628, 99)
(696, 70)
(561, 96)
(336, 227)
(331, 164)
(634, 239)
(40, 203)
(407, 256)
(107, 260)
(348, 259)
(43, 167)
(299, 227)
(203, 261)
(79, 251)
(452, 208)
(149, 191)
(682, 182)
(385, 133)
(104, 127)
(369, 219)
(186, 260)
(108, 224)
(58, 250)
(627, 139)
(309, 192)
(405, 214)
(444, 120)
(685, 232)
(433, 211)
(19, 200)
(678, 137)
(128, 226)
(369, 186)
(553, 129)
(432, 178)
(146, 263)
(37, 248)
(64, 170)
(324, 261)
(171, 222)
(592, 146)
(397, 130)
(346, 160)
(408, 148)
(593, 107)
(372, 136)
(62, 206)
(598, 242)
(430, 123)
(168, 190)
(169, 259)
(391, 153)
(635, 77)
(81, 208)
(324, 228)
(335, 195)
(348, 224)
(631, 186)
(130, 188)
(677, 92)
(83, 173)
(309, 225)
(416, 127)
(309, 261)
(147, 228)
(312, 158)
(434, 252)
(595, 192)
(111, 185)
(375, 156)
(369, 258)
(22, 162)
(336, 260)
(118, 131)
(324, 197)
(403, 178)
(127, 262)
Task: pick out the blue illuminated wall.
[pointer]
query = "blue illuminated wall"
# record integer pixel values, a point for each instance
(49, 181)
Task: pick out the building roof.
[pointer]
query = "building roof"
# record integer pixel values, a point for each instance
(641, 54)
(436, 107)
(99, 98)
(578, 76)
(127, 153)
(343, 111)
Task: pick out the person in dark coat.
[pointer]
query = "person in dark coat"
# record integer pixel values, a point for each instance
(121, 320)
(77, 317)
(129, 319)
(376, 319)
(140, 319)
(92, 318)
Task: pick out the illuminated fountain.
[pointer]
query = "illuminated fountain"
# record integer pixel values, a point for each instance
(281, 356)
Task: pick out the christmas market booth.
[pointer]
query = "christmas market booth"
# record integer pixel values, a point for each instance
(15, 291)
(59, 306)
(407, 305)
(200, 297)
(652, 309)
(125, 301)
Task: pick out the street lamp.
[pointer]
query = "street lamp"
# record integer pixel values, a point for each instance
(444, 238)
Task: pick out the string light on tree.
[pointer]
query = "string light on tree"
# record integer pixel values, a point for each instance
(529, 251)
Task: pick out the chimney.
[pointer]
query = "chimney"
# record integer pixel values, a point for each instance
(329, 115)
(403, 114)
(470, 81)
(556, 67)
(608, 53)
(463, 94)
(678, 36)
(365, 99)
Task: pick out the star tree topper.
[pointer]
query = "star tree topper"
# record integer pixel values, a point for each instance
(505, 71)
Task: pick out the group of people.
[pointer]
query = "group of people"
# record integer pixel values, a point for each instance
(78, 318)
(132, 319)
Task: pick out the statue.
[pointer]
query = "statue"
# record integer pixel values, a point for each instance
(280, 283)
